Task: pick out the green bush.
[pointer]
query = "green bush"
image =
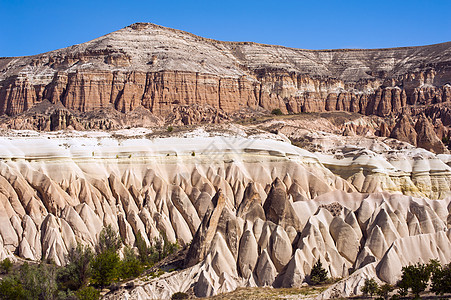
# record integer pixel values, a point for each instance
(130, 266)
(179, 295)
(170, 128)
(11, 288)
(156, 273)
(318, 274)
(384, 290)
(88, 293)
(160, 248)
(77, 271)
(39, 281)
(108, 240)
(415, 278)
(105, 268)
(277, 112)
(6, 265)
(370, 287)
(441, 280)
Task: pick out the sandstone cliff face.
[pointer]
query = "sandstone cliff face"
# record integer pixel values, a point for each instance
(146, 65)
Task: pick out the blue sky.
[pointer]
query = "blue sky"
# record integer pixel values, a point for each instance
(30, 27)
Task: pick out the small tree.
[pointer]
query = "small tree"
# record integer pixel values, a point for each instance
(143, 249)
(318, 274)
(105, 268)
(78, 269)
(415, 278)
(130, 266)
(168, 247)
(370, 287)
(6, 265)
(158, 245)
(108, 240)
(384, 290)
(441, 280)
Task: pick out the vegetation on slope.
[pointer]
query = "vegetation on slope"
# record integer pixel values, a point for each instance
(87, 271)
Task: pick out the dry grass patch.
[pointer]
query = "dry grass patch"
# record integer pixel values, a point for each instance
(264, 293)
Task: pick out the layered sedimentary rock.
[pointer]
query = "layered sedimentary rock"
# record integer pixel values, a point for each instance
(158, 68)
(252, 209)
(60, 190)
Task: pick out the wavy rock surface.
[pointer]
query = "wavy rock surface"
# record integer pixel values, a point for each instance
(255, 210)
(65, 189)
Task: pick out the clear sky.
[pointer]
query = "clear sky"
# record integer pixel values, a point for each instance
(33, 26)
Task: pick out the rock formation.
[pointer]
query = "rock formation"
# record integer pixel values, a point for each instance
(254, 210)
(144, 69)
(254, 204)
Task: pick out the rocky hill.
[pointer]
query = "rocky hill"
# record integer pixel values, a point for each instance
(355, 171)
(167, 75)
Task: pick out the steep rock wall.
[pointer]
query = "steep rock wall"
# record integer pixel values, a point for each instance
(161, 68)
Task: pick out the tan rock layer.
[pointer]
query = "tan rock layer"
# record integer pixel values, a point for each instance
(161, 92)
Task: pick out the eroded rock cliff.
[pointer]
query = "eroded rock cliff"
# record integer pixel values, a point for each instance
(254, 209)
(162, 69)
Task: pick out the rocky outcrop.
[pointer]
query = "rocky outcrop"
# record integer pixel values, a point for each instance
(426, 137)
(404, 130)
(146, 66)
(251, 211)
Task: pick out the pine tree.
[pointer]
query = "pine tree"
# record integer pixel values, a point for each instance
(318, 274)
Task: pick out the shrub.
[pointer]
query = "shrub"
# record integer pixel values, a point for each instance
(415, 278)
(170, 128)
(318, 274)
(78, 269)
(160, 248)
(130, 266)
(11, 288)
(105, 268)
(277, 112)
(6, 265)
(441, 280)
(384, 290)
(108, 240)
(179, 295)
(156, 273)
(370, 287)
(38, 281)
(88, 293)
